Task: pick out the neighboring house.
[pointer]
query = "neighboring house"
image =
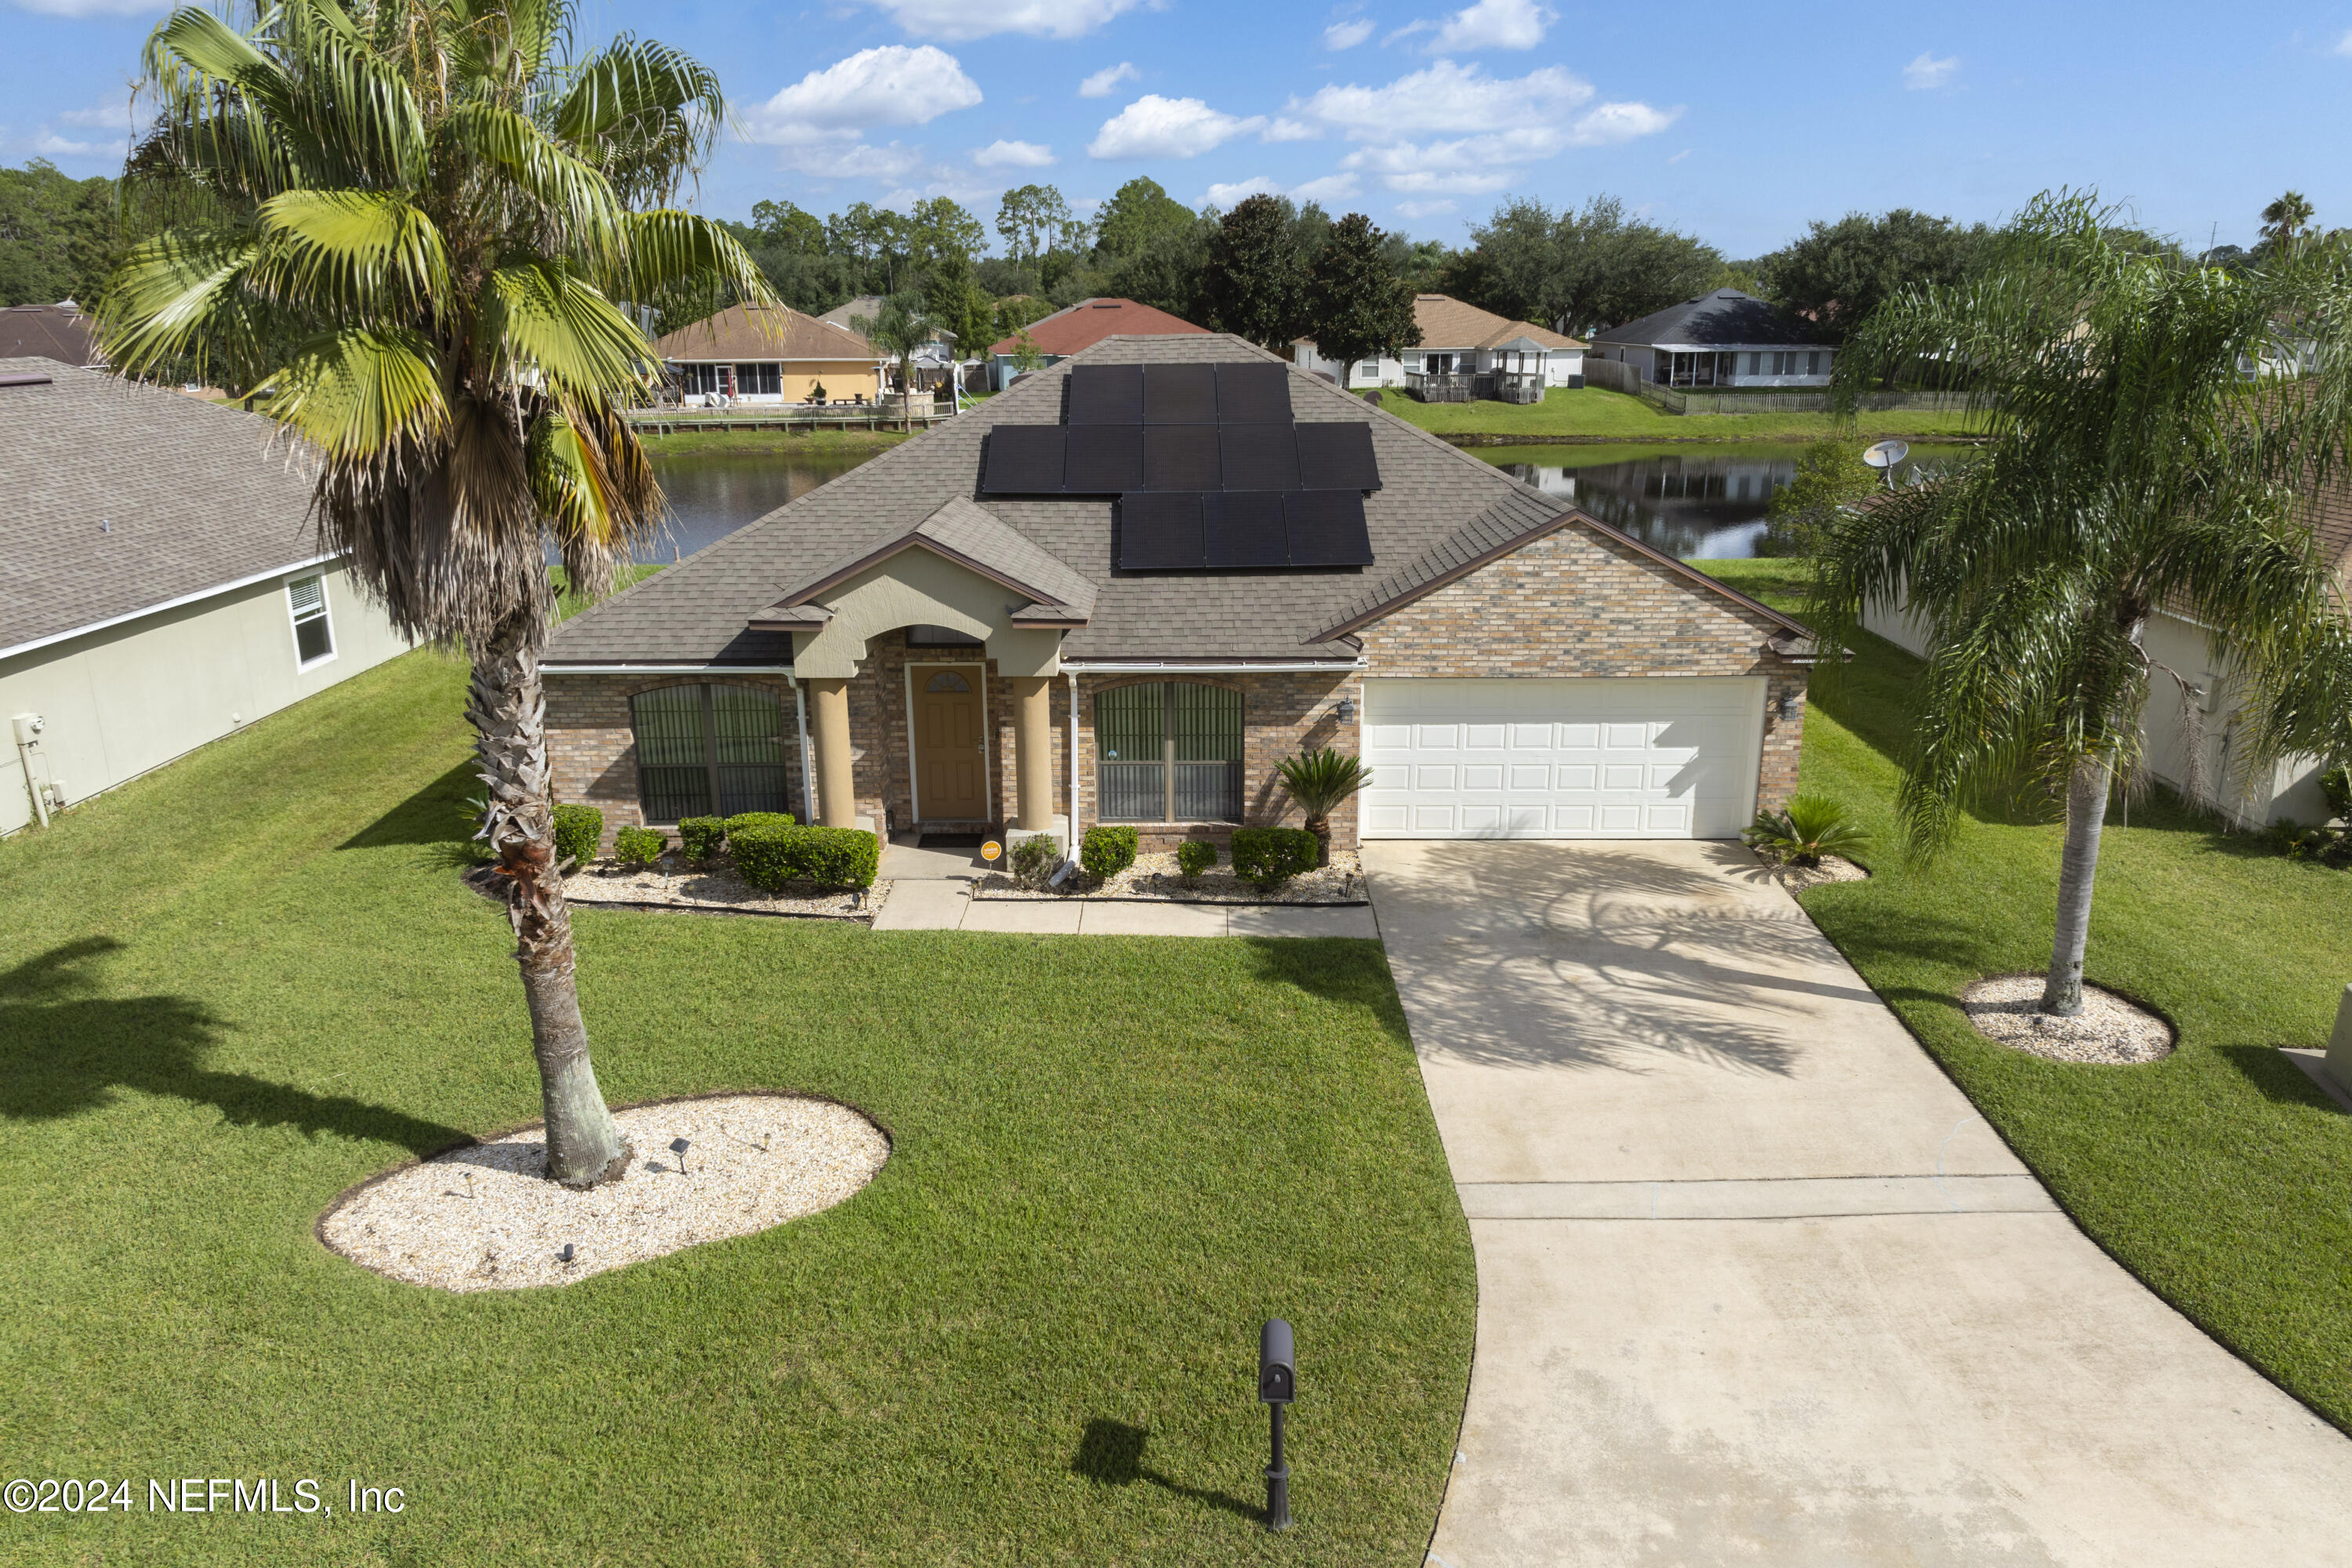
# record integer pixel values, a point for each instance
(997, 625)
(2176, 642)
(161, 583)
(932, 363)
(1081, 327)
(768, 353)
(1723, 339)
(1465, 352)
(61, 332)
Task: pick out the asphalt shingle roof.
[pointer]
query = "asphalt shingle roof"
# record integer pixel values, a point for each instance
(762, 333)
(1090, 321)
(1724, 319)
(46, 332)
(115, 498)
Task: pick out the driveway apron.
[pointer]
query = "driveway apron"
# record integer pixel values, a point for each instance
(1757, 1284)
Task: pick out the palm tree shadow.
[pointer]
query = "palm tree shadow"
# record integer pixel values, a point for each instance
(1110, 1453)
(67, 1048)
(433, 816)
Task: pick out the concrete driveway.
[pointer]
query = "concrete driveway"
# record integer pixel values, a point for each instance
(1756, 1285)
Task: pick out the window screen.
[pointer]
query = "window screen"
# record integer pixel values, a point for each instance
(759, 379)
(709, 748)
(1169, 751)
(314, 634)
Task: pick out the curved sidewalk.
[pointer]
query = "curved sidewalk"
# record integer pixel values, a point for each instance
(1756, 1285)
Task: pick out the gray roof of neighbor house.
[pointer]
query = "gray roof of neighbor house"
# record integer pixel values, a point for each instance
(869, 306)
(121, 498)
(60, 332)
(1725, 319)
(1437, 508)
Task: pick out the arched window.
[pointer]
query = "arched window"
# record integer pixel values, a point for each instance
(1169, 751)
(946, 680)
(708, 749)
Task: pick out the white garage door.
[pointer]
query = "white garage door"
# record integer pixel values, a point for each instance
(1622, 758)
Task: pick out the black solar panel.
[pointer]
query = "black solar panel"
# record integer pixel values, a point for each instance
(1025, 460)
(1105, 460)
(1337, 458)
(1105, 395)
(1258, 456)
(1179, 458)
(1326, 528)
(1244, 529)
(1255, 394)
(1180, 394)
(1159, 533)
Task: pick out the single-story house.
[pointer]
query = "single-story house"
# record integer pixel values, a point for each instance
(769, 353)
(1079, 328)
(1465, 352)
(62, 331)
(2175, 641)
(1127, 588)
(1723, 339)
(933, 363)
(161, 583)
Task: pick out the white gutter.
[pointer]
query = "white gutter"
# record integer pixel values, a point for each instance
(200, 594)
(1270, 666)
(550, 668)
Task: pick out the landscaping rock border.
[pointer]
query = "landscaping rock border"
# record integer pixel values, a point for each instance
(1833, 868)
(1152, 880)
(670, 885)
(2111, 1029)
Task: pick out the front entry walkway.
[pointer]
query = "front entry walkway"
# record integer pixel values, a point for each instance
(1756, 1283)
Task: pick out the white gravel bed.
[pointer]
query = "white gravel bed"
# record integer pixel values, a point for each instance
(2006, 1009)
(671, 881)
(1154, 876)
(1833, 868)
(485, 1217)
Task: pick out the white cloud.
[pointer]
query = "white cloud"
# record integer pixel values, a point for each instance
(851, 161)
(958, 19)
(1467, 165)
(1013, 156)
(1494, 24)
(1424, 209)
(1100, 84)
(1157, 127)
(49, 144)
(1226, 195)
(1330, 188)
(893, 85)
(92, 7)
(2343, 44)
(1347, 34)
(1444, 96)
(113, 116)
(1928, 72)
(1607, 124)
(1680, 156)
(1282, 129)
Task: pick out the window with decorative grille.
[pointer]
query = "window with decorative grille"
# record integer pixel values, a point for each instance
(314, 633)
(1169, 751)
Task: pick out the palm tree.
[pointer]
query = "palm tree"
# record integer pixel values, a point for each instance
(2130, 467)
(1319, 781)
(411, 226)
(900, 331)
(2285, 218)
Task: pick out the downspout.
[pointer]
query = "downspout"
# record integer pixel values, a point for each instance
(808, 762)
(1070, 850)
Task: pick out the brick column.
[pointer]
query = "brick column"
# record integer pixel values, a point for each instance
(836, 795)
(1033, 752)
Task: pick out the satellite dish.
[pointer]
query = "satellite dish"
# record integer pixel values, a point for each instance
(1886, 454)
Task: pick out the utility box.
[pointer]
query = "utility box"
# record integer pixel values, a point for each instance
(28, 728)
(2338, 1064)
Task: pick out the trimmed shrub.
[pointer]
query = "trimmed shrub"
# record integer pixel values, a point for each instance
(701, 836)
(1033, 859)
(1194, 856)
(1270, 857)
(772, 857)
(2335, 783)
(578, 830)
(1108, 849)
(743, 819)
(638, 845)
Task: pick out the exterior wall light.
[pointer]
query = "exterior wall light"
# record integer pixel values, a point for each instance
(1347, 710)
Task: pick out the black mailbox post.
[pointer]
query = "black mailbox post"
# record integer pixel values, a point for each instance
(1277, 1385)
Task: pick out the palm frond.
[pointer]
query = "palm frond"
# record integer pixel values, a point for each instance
(365, 256)
(570, 197)
(177, 295)
(547, 321)
(643, 112)
(663, 250)
(361, 395)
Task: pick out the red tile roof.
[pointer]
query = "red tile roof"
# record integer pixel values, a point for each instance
(1089, 322)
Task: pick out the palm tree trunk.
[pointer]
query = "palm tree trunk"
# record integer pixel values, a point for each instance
(1322, 827)
(509, 712)
(2078, 868)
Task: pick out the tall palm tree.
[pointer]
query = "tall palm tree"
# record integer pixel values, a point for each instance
(2131, 466)
(2284, 220)
(416, 228)
(900, 330)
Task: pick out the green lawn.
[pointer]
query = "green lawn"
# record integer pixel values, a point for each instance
(814, 442)
(2220, 1176)
(1595, 412)
(232, 990)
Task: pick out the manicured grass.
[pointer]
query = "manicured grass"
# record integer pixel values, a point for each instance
(233, 989)
(1567, 414)
(811, 443)
(2221, 1176)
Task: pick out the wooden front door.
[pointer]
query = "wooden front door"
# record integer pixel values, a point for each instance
(950, 746)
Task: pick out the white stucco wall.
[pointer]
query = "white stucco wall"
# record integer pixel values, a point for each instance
(129, 698)
(1561, 366)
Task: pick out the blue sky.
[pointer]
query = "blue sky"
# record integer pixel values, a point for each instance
(1735, 122)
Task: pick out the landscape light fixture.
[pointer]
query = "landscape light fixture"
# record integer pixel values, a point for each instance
(678, 1147)
(1277, 1385)
(564, 1256)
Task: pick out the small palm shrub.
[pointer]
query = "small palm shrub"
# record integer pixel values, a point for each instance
(2329, 846)
(578, 830)
(1034, 859)
(1108, 849)
(1194, 856)
(701, 837)
(1319, 782)
(638, 845)
(1810, 828)
(1270, 857)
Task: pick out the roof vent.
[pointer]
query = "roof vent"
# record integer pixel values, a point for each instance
(1107, 304)
(24, 380)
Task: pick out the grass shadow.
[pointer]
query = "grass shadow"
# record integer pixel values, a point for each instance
(1346, 969)
(1110, 1453)
(432, 815)
(64, 1049)
(2278, 1076)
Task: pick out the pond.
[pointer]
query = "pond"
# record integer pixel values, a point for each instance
(1693, 501)
(712, 494)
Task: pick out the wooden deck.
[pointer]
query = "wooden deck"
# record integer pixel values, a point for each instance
(678, 421)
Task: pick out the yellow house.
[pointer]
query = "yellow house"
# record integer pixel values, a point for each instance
(756, 354)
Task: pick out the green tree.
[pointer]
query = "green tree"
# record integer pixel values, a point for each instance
(960, 306)
(2285, 219)
(1357, 308)
(1138, 213)
(939, 229)
(1840, 272)
(1579, 270)
(1830, 476)
(899, 330)
(57, 235)
(1256, 282)
(1167, 270)
(1029, 217)
(428, 213)
(786, 226)
(2130, 467)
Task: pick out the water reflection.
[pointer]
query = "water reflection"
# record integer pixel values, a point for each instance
(712, 494)
(1700, 503)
